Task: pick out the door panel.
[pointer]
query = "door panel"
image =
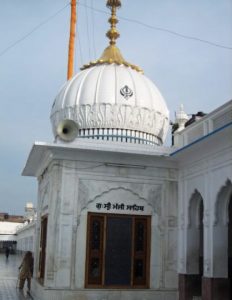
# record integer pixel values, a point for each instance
(118, 251)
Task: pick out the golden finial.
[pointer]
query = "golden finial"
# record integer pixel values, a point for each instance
(112, 33)
(112, 54)
(115, 3)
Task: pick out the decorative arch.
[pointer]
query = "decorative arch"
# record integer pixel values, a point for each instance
(118, 188)
(221, 216)
(220, 231)
(132, 195)
(194, 235)
(194, 207)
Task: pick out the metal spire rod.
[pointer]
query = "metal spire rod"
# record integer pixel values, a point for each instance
(72, 40)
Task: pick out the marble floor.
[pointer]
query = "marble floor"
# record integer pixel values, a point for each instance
(9, 279)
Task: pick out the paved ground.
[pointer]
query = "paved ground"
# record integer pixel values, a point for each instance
(8, 279)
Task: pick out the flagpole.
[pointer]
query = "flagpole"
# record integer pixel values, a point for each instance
(72, 40)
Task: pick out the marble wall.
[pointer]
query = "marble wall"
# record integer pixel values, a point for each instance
(69, 189)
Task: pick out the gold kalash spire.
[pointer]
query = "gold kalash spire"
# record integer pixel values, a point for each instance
(112, 54)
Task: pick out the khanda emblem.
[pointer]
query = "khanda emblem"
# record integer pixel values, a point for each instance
(126, 92)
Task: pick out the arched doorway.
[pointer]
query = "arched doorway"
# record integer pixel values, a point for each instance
(190, 283)
(218, 284)
(201, 239)
(222, 243)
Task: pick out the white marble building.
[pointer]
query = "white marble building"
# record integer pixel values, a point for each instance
(26, 237)
(106, 179)
(111, 196)
(25, 234)
(8, 235)
(205, 191)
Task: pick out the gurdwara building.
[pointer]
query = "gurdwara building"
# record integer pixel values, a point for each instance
(119, 215)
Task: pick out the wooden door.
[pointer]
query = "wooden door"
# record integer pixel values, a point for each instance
(43, 242)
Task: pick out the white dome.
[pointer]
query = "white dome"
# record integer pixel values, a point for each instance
(111, 101)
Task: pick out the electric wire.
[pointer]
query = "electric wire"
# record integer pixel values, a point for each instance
(93, 29)
(80, 48)
(161, 29)
(121, 18)
(33, 30)
(76, 59)
(87, 28)
(177, 33)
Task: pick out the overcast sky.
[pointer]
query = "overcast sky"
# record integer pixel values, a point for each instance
(33, 66)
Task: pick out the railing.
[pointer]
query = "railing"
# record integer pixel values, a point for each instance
(204, 126)
(121, 135)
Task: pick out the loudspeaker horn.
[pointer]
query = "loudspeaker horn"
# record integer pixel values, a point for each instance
(67, 130)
